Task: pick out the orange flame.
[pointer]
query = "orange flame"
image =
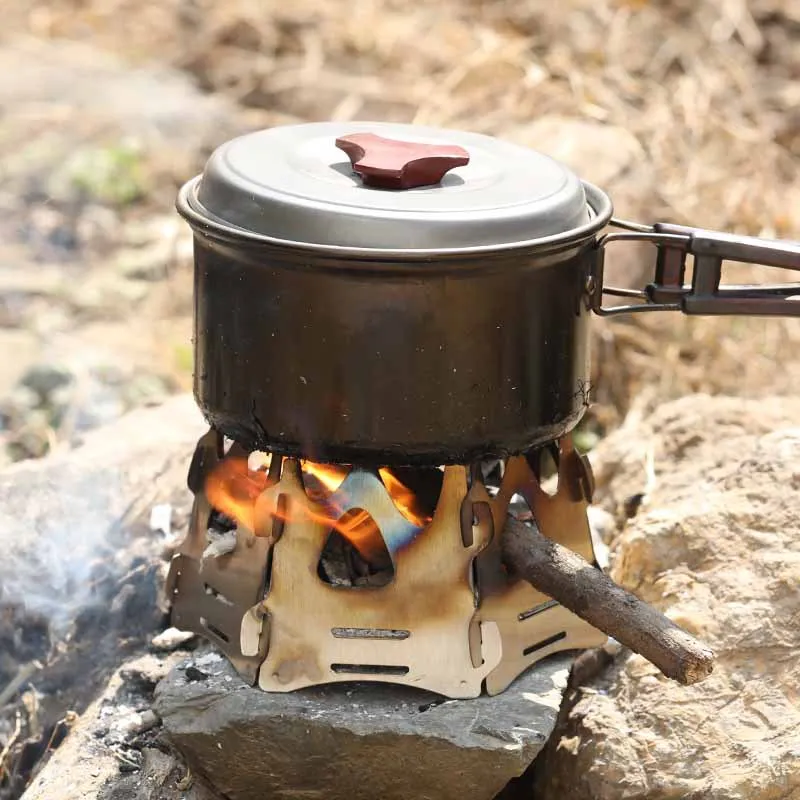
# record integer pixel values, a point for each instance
(403, 498)
(329, 475)
(233, 488)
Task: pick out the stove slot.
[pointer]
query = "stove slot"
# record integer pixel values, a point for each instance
(213, 629)
(369, 633)
(217, 595)
(532, 612)
(369, 669)
(557, 637)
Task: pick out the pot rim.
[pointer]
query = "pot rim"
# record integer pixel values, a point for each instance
(202, 221)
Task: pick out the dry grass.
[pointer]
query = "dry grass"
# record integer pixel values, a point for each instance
(709, 91)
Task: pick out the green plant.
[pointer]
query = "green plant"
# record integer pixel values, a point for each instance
(110, 174)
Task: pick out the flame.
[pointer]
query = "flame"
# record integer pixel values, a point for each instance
(236, 483)
(329, 475)
(361, 530)
(403, 498)
(233, 489)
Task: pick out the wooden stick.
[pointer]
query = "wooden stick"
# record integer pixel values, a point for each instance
(594, 597)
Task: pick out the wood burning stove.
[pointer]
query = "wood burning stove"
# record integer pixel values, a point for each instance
(391, 329)
(427, 602)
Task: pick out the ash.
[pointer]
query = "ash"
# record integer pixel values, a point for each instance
(49, 676)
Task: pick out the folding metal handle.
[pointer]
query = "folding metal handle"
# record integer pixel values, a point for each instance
(705, 294)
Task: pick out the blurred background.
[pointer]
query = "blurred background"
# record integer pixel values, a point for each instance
(684, 110)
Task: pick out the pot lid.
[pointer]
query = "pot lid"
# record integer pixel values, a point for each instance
(383, 186)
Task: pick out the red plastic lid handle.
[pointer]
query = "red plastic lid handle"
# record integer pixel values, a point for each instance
(391, 164)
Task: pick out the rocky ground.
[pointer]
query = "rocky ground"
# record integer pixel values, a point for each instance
(686, 112)
(715, 543)
(699, 499)
(95, 281)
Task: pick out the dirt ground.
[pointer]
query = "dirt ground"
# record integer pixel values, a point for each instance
(685, 111)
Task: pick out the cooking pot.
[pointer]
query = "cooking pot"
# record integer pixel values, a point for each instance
(397, 294)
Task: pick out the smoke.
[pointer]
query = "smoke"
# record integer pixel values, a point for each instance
(68, 538)
(75, 524)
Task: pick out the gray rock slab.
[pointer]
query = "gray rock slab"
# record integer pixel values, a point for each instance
(356, 741)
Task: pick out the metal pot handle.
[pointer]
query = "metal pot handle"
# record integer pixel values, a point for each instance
(704, 295)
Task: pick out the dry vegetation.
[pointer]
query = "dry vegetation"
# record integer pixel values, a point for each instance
(695, 104)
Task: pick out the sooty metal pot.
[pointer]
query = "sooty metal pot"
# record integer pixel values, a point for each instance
(395, 294)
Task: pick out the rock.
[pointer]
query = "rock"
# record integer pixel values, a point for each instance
(716, 542)
(355, 741)
(81, 582)
(597, 152)
(60, 513)
(88, 763)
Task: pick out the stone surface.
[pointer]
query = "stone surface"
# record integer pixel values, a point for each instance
(355, 741)
(716, 542)
(87, 765)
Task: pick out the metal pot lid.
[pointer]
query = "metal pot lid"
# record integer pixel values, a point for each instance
(382, 186)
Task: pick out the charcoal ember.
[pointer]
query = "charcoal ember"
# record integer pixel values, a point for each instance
(341, 564)
(220, 523)
(24, 637)
(334, 566)
(194, 674)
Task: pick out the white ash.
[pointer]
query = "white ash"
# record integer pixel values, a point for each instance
(207, 659)
(211, 663)
(125, 722)
(161, 519)
(219, 543)
(171, 639)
